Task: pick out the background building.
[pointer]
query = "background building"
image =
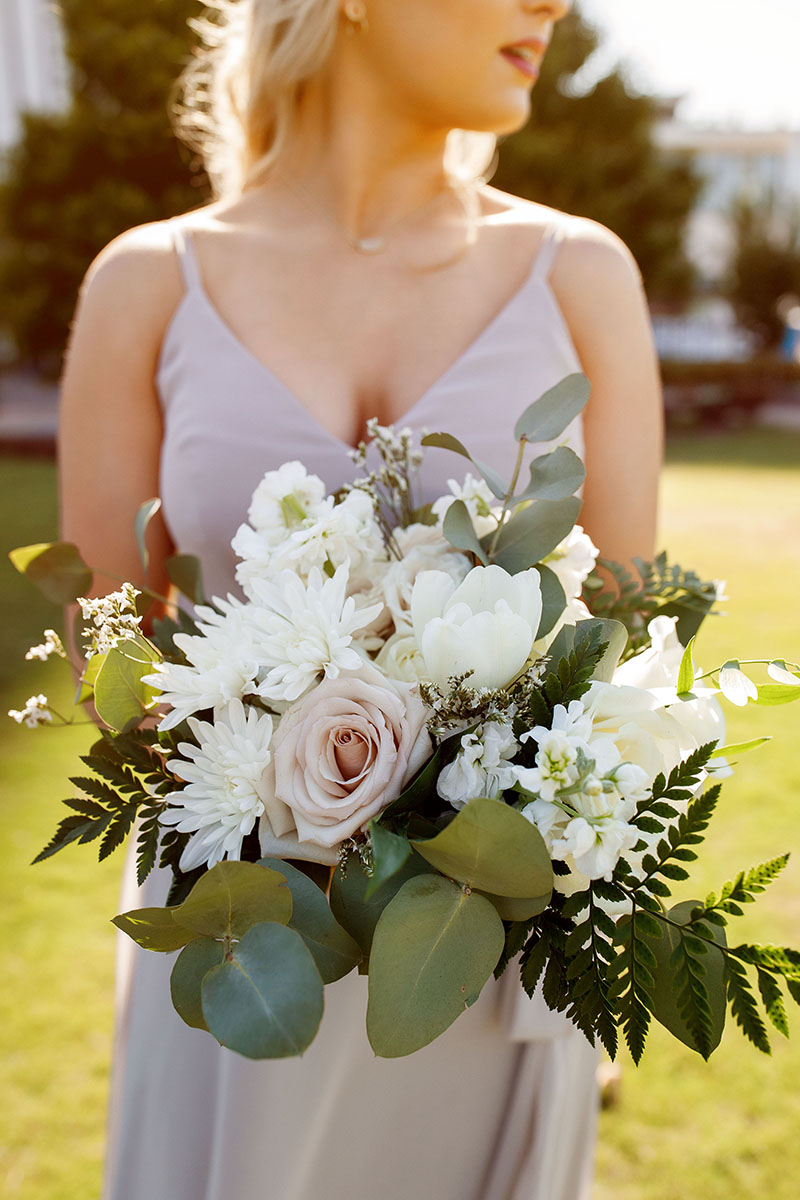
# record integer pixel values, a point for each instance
(33, 73)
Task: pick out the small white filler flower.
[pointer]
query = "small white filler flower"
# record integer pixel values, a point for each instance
(35, 713)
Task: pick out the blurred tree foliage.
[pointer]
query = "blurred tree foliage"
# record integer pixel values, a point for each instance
(77, 180)
(765, 268)
(594, 155)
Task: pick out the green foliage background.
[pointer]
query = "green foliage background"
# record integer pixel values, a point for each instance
(765, 267)
(683, 1128)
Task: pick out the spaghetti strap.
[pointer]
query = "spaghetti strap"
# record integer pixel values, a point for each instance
(548, 249)
(182, 242)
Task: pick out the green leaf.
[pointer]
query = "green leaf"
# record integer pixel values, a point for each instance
(155, 928)
(686, 674)
(185, 572)
(446, 441)
(422, 787)
(357, 911)
(772, 694)
(533, 533)
(185, 983)
(120, 696)
(773, 1001)
(143, 518)
(518, 910)
(457, 527)
(744, 1007)
(435, 947)
(390, 852)
(89, 677)
(739, 747)
(332, 948)
(265, 1000)
(56, 568)
(554, 601)
(699, 1018)
(549, 416)
(554, 476)
(492, 847)
(233, 896)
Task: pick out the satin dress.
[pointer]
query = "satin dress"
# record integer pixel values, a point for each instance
(503, 1105)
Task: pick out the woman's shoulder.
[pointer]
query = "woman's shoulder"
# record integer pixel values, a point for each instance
(589, 253)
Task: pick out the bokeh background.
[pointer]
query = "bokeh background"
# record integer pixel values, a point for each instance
(677, 124)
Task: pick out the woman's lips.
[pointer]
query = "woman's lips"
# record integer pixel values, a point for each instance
(525, 65)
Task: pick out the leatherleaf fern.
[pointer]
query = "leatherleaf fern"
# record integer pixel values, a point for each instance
(615, 955)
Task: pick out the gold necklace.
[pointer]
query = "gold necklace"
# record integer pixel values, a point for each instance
(376, 243)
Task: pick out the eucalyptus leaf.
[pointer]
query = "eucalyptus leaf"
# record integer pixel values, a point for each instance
(665, 992)
(266, 999)
(358, 912)
(554, 601)
(554, 476)
(390, 852)
(56, 568)
(143, 518)
(518, 910)
(534, 532)
(492, 847)
(457, 527)
(89, 678)
(233, 896)
(435, 946)
(185, 572)
(121, 698)
(446, 441)
(155, 929)
(549, 416)
(185, 983)
(332, 948)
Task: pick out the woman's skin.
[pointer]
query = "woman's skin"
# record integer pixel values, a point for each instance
(355, 336)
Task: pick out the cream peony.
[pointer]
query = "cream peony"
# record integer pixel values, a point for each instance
(343, 753)
(485, 625)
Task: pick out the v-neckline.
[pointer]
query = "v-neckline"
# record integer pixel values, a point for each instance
(532, 275)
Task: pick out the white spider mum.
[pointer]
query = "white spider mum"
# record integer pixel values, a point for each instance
(227, 777)
(306, 631)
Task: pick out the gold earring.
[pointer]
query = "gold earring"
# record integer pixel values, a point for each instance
(356, 13)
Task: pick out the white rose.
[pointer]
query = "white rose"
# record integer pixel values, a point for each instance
(423, 549)
(400, 658)
(485, 625)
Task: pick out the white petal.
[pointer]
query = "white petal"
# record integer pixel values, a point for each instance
(736, 687)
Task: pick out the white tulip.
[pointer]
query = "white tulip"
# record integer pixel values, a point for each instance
(485, 625)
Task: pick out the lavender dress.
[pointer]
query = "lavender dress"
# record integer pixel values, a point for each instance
(503, 1105)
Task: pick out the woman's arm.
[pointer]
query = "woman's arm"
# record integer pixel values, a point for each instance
(600, 291)
(110, 420)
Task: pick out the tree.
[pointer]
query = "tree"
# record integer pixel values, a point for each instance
(765, 267)
(594, 154)
(78, 179)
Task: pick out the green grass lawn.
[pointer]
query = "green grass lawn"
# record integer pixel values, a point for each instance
(683, 1130)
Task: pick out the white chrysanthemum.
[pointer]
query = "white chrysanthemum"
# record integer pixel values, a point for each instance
(222, 663)
(227, 777)
(482, 767)
(573, 561)
(306, 631)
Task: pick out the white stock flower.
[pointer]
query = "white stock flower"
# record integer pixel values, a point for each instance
(222, 663)
(485, 625)
(305, 631)
(573, 561)
(476, 495)
(482, 767)
(52, 644)
(597, 840)
(736, 686)
(558, 751)
(35, 713)
(228, 776)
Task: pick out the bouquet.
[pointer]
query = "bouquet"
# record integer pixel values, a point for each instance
(427, 743)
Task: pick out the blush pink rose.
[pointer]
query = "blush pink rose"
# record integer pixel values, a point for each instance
(343, 752)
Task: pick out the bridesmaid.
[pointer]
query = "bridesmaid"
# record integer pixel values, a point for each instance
(355, 263)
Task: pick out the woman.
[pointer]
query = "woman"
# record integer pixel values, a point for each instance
(350, 268)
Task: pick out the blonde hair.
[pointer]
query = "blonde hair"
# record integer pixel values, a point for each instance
(237, 99)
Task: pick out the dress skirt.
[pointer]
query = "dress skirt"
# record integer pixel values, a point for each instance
(501, 1107)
